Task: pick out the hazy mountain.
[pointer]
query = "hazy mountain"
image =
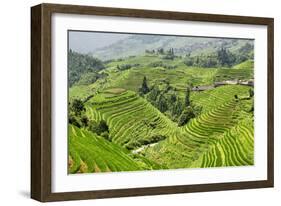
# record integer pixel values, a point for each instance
(137, 44)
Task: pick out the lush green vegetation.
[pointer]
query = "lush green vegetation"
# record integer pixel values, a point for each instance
(196, 137)
(165, 108)
(83, 68)
(221, 58)
(132, 121)
(89, 152)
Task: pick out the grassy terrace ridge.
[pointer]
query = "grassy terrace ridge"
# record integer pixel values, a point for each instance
(104, 98)
(92, 153)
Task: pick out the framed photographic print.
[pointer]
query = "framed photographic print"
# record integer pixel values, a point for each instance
(130, 102)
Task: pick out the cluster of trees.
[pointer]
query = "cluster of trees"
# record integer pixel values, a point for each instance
(162, 64)
(245, 52)
(100, 128)
(78, 118)
(202, 61)
(126, 66)
(91, 77)
(189, 110)
(113, 60)
(76, 113)
(167, 54)
(155, 51)
(80, 64)
(221, 58)
(167, 102)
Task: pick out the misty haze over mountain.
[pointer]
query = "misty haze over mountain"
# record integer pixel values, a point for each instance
(87, 42)
(107, 46)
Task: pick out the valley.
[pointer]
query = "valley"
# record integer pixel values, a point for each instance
(161, 109)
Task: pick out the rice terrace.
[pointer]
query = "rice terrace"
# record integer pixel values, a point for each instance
(153, 102)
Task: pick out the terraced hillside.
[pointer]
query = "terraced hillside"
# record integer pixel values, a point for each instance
(243, 71)
(91, 153)
(185, 147)
(132, 120)
(215, 97)
(234, 148)
(158, 71)
(177, 77)
(163, 104)
(134, 123)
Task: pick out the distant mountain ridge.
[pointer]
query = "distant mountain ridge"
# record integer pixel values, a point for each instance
(182, 45)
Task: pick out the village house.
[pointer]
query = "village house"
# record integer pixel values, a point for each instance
(226, 82)
(247, 83)
(202, 88)
(222, 83)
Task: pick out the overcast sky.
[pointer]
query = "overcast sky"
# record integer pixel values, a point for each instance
(85, 42)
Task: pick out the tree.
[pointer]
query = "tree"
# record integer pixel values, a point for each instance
(72, 119)
(152, 96)
(144, 87)
(245, 52)
(197, 61)
(80, 64)
(93, 126)
(222, 56)
(169, 54)
(90, 78)
(252, 107)
(167, 87)
(84, 120)
(171, 51)
(161, 51)
(162, 103)
(225, 57)
(173, 98)
(77, 106)
(105, 135)
(189, 61)
(98, 128)
(103, 126)
(177, 108)
(187, 97)
(251, 93)
(186, 115)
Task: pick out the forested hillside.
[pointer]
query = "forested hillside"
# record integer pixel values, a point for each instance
(83, 67)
